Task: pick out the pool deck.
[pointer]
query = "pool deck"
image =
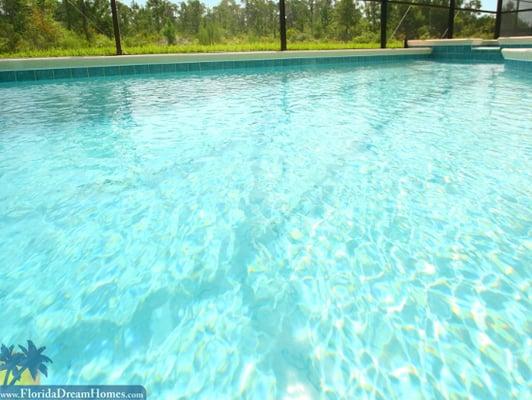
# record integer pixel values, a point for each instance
(524, 41)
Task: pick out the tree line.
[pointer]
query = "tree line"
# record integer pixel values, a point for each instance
(46, 24)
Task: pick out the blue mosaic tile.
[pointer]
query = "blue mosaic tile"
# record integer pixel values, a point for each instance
(112, 71)
(228, 65)
(63, 73)
(96, 71)
(43, 74)
(200, 66)
(251, 64)
(515, 46)
(287, 62)
(181, 67)
(8, 76)
(465, 54)
(168, 68)
(239, 64)
(156, 68)
(323, 61)
(25, 75)
(194, 67)
(269, 63)
(142, 69)
(211, 66)
(127, 70)
(221, 65)
(80, 73)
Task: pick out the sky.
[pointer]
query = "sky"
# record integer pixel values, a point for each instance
(486, 4)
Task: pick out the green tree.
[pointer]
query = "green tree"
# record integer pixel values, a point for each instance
(230, 17)
(261, 18)
(346, 17)
(209, 32)
(42, 24)
(13, 22)
(298, 15)
(190, 15)
(170, 32)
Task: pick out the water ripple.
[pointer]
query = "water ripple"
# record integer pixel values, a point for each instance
(325, 232)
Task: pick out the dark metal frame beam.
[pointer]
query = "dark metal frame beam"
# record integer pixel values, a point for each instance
(498, 18)
(516, 11)
(116, 28)
(384, 22)
(450, 21)
(282, 24)
(410, 3)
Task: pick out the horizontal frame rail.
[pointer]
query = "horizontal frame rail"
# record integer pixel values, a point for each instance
(445, 7)
(516, 11)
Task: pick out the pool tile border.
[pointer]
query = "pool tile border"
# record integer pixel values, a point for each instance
(465, 53)
(179, 67)
(472, 50)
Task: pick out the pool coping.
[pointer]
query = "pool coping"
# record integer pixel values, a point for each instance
(27, 64)
(502, 41)
(444, 42)
(515, 40)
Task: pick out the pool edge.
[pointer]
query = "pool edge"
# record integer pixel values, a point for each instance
(31, 69)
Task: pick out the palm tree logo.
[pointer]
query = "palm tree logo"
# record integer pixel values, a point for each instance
(23, 367)
(9, 362)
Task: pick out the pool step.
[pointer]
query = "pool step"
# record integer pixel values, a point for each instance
(522, 56)
(486, 48)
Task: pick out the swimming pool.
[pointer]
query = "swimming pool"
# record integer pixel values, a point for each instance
(321, 232)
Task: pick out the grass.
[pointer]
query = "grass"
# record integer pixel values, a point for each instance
(194, 48)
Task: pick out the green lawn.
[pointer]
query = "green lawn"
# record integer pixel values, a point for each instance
(195, 48)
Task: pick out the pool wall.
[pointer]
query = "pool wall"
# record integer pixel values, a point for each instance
(82, 67)
(518, 58)
(462, 50)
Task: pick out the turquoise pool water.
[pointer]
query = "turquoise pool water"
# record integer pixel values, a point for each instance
(295, 233)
